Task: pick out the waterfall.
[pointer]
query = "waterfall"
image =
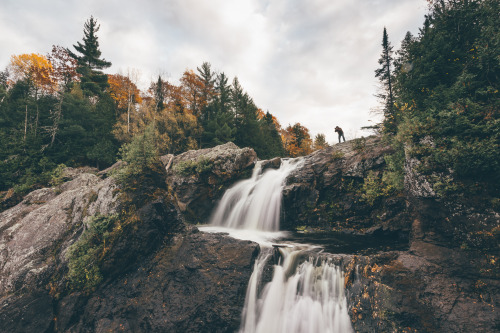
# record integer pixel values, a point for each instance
(305, 296)
(254, 203)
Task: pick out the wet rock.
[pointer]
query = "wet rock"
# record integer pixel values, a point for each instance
(195, 284)
(429, 288)
(274, 163)
(200, 177)
(28, 313)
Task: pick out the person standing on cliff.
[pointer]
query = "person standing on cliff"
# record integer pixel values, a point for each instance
(341, 133)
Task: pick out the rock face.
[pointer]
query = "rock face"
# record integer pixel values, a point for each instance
(35, 233)
(200, 177)
(326, 191)
(159, 276)
(196, 284)
(163, 276)
(429, 288)
(34, 237)
(435, 286)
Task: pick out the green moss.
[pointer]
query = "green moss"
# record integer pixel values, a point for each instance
(189, 168)
(86, 254)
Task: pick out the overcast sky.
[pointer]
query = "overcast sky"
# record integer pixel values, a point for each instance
(307, 61)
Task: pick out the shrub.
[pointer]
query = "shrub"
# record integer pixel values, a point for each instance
(188, 168)
(144, 170)
(85, 255)
(359, 144)
(394, 174)
(337, 155)
(140, 154)
(56, 176)
(375, 187)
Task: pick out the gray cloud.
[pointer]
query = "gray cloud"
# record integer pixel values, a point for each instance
(305, 61)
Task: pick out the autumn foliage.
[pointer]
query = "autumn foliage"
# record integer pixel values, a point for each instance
(35, 68)
(297, 140)
(63, 109)
(123, 91)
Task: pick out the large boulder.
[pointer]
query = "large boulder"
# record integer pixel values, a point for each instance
(195, 284)
(34, 238)
(199, 177)
(429, 288)
(325, 190)
(35, 233)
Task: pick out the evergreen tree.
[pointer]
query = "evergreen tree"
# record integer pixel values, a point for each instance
(159, 94)
(320, 142)
(207, 77)
(101, 147)
(271, 138)
(246, 122)
(451, 94)
(384, 74)
(90, 64)
(220, 128)
(222, 94)
(403, 64)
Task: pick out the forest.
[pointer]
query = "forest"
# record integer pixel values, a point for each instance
(61, 109)
(440, 100)
(439, 97)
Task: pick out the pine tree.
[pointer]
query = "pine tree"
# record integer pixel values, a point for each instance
(159, 94)
(320, 142)
(384, 74)
(246, 122)
(220, 127)
(223, 94)
(90, 64)
(207, 77)
(272, 143)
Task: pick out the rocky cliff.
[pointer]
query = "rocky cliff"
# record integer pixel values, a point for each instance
(154, 273)
(448, 278)
(159, 274)
(199, 177)
(326, 192)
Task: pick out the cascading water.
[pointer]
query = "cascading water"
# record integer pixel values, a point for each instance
(304, 295)
(254, 203)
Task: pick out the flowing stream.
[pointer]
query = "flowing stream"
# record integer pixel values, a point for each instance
(306, 292)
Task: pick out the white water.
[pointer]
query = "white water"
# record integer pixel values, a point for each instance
(303, 296)
(255, 203)
(306, 297)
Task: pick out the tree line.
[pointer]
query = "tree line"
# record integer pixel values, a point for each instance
(63, 109)
(440, 96)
